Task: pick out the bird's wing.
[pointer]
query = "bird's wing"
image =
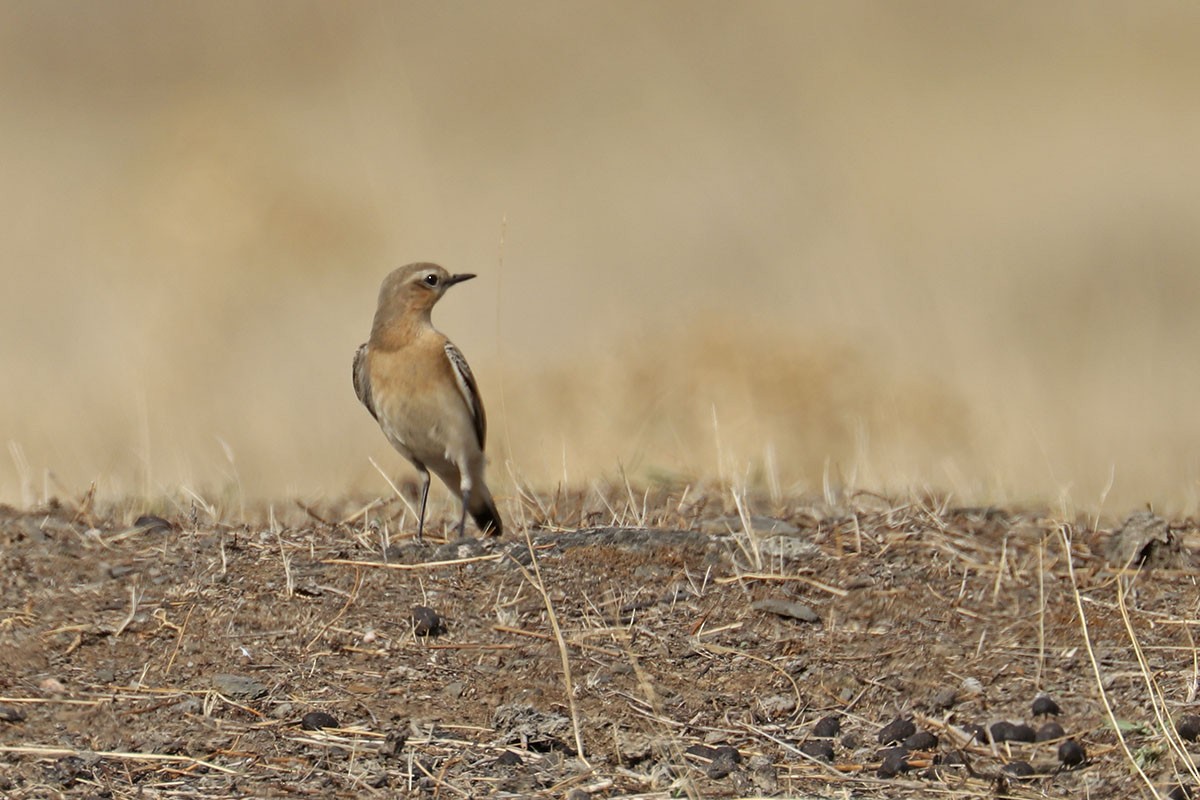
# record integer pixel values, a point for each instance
(362, 380)
(470, 392)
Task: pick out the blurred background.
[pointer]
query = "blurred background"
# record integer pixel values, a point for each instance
(931, 245)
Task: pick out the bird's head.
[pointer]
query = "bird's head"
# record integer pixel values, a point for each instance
(414, 289)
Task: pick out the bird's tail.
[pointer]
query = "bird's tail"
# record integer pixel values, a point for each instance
(483, 511)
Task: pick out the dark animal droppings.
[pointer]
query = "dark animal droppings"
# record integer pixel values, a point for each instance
(1050, 730)
(316, 720)
(1188, 728)
(827, 727)
(818, 748)
(1071, 753)
(1019, 769)
(921, 740)
(426, 621)
(895, 762)
(897, 730)
(1044, 706)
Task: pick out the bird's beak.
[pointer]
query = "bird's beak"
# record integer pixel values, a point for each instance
(459, 278)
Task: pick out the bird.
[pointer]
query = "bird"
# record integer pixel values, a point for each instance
(418, 387)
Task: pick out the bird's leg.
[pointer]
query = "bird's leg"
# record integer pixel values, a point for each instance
(462, 521)
(424, 497)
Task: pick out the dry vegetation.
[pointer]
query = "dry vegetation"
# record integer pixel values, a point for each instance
(947, 247)
(879, 315)
(612, 651)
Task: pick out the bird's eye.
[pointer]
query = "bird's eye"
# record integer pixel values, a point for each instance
(431, 279)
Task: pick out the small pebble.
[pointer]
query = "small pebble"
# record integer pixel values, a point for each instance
(426, 621)
(11, 714)
(52, 686)
(818, 748)
(786, 608)
(944, 699)
(149, 523)
(1019, 769)
(827, 727)
(921, 740)
(1071, 753)
(316, 720)
(897, 730)
(1188, 728)
(1050, 730)
(1045, 706)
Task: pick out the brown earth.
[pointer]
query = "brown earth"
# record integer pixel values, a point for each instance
(183, 658)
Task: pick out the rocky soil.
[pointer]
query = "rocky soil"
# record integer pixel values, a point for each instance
(615, 645)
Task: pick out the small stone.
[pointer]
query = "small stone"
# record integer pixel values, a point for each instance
(239, 686)
(1071, 753)
(778, 705)
(1045, 706)
(971, 687)
(764, 775)
(52, 686)
(897, 730)
(1188, 728)
(282, 711)
(578, 794)
(1018, 769)
(1050, 731)
(788, 548)
(827, 727)
(786, 608)
(921, 740)
(149, 523)
(11, 714)
(316, 720)
(944, 699)
(454, 689)
(426, 621)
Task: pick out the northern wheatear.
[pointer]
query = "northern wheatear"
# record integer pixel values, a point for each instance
(418, 386)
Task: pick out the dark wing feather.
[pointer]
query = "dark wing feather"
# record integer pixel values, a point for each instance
(470, 392)
(362, 380)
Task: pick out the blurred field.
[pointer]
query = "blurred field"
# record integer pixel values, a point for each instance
(881, 245)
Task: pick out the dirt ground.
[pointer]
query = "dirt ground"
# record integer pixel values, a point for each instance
(631, 646)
